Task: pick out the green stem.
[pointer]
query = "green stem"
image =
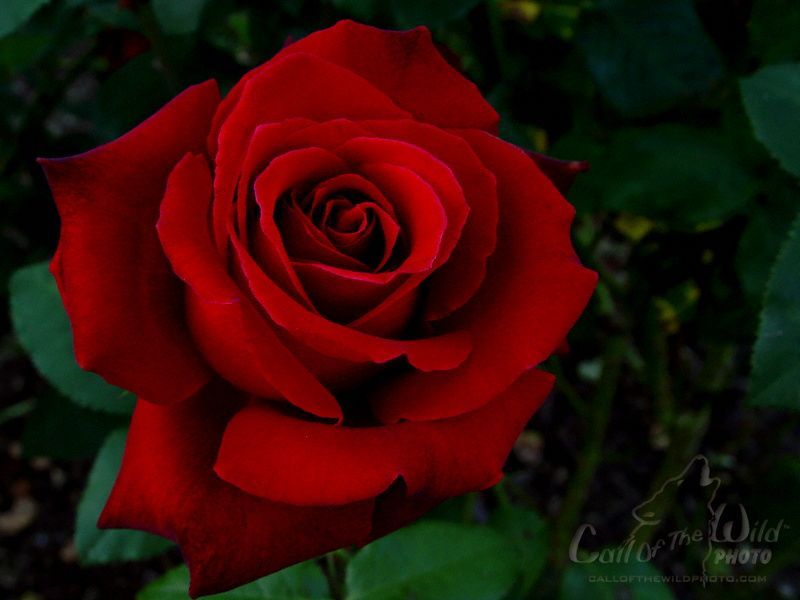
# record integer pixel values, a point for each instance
(15, 411)
(566, 388)
(503, 499)
(498, 40)
(333, 567)
(657, 368)
(687, 431)
(578, 490)
(717, 368)
(470, 502)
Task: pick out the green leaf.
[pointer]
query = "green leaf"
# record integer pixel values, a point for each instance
(42, 327)
(113, 14)
(773, 30)
(58, 428)
(682, 176)
(776, 354)
(23, 49)
(646, 56)
(299, 582)
(410, 13)
(16, 12)
(767, 225)
(129, 96)
(97, 546)
(773, 501)
(434, 561)
(529, 532)
(177, 18)
(596, 581)
(772, 99)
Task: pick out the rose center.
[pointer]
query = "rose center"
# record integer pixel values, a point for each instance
(341, 227)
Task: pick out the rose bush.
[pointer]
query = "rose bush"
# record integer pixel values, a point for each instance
(329, 291)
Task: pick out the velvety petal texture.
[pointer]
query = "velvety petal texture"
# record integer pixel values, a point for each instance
(121, 295)
(233, 524)
(167, 486)
(323, 289)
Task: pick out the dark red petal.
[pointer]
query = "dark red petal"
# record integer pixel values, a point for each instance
(407, 67)
(337, 295)
(456, 281)
(561, 172)
(327, 134)
(285, 459)
(296, 85)
(266, 142)
(419, 209)
(124, 302)
(270, 141)
(433, 353)
(295, 168)
(357, 183)
(245, 349)
(231, 335)
(366, 152)
(238, 342)
(303, 241)
(167, 486)
(534, 291)
(183, 228)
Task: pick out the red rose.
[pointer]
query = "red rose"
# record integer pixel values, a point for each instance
(329, 291)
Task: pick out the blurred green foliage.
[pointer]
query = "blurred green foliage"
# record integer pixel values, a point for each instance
(43, 330)
(689, 112)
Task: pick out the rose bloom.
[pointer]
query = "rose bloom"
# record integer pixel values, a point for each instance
(330, 292)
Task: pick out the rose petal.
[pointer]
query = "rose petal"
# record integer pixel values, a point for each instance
(366, 153)
(433, 353)
(246, 350)
(561, 172)
(419, 208)
(167, 486)
(456, 281)
(418, 80)
(304, 242)
(450, 194)
(296, 85)
(279, 457)
(124, 303)
(237, 341)
(533, 293)
(338, 296)
(184, 232)
(295, 168)
(267, 142)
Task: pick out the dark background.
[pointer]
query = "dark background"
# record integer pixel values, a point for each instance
(682, 214)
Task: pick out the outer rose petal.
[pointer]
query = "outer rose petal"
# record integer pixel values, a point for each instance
(561, 172)
(533, 293)
(167, 486)
(419, 79)
(279, 457)
(125, 304)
